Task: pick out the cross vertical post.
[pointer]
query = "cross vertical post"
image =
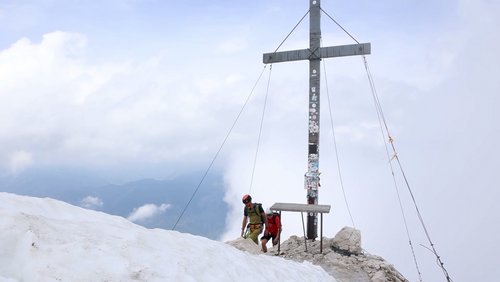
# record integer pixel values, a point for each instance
(314, 54)
(311, 178)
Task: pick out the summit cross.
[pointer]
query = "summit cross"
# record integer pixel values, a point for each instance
(314, 54)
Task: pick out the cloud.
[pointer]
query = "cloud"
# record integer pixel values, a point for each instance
(19, 161)
(64, 108)
(91, 202)
(233, 45)
(147, 211)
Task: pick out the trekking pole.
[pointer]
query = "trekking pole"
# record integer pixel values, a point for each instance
(247, 231)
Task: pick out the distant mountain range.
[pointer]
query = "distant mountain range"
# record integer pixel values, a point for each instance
(204, 216)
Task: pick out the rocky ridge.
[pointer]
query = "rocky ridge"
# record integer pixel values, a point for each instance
(342, 257)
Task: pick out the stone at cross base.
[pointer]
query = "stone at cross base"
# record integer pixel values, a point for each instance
(347, 241)
(344, 259)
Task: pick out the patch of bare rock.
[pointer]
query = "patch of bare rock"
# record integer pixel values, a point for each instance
(342, 257)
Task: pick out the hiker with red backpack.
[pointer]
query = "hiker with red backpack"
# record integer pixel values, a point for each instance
(256, 216)
(273, 230)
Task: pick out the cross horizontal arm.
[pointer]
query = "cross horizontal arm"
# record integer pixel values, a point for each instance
(324, 52)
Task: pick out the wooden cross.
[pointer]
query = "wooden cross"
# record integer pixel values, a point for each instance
(314, 54)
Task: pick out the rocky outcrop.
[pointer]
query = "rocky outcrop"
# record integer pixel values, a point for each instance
(347, 242)
(342, 257)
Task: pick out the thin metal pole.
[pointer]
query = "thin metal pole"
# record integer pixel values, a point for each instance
(304, 229)
(321, 234)
(279, 240)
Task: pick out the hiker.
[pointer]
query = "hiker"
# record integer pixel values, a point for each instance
(273, 230)
(257, 217)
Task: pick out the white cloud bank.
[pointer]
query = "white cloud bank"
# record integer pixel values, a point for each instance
(147, 211)
(91, 202)
(19, 161)
(65, 107)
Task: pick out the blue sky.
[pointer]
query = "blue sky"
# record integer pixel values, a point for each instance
(139, 89)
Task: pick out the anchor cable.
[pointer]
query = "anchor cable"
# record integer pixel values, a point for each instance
(291, 31)
(339, 25)
(260, 129)
(234, 123)
(220, 148)
(381, 119)
(335, 146)
(396, 157)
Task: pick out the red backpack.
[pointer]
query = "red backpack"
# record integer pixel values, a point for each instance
(271, 218)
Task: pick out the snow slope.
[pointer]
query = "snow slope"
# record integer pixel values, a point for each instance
(47, 240)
